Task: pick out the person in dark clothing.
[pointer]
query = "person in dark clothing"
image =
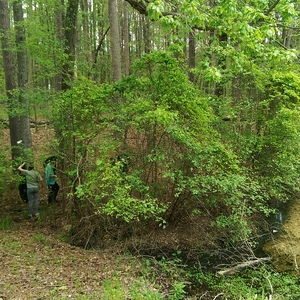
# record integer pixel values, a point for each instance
(23, 188)
(51, 177)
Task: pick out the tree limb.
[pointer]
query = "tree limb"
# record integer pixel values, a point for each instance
(139, 5)
(250, 263)
(100, 45)
(272, 7)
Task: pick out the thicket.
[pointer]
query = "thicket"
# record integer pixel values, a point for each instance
(190, 156)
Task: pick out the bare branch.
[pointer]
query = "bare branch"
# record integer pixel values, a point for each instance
(139, 5)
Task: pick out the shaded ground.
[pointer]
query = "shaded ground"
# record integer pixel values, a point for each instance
(285, 247)
(36, 264)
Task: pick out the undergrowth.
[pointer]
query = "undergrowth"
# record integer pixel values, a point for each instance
(140, 277)
(192, 282)
(6, 223)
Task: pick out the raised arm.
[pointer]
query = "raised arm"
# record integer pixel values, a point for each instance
(20, 168)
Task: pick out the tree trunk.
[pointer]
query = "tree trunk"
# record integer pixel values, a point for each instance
(146, 34)
(22, 76)
(114, 40)
(192, 56)
(10, 80)
(85, 38)
(70, 40)
(126, 41)
(56, 81)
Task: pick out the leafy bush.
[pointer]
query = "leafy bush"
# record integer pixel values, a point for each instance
(178, 164)
(262, 283)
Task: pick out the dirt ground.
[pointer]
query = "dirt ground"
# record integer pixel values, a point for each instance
(34, 264)
(284, 248)
(37, 262)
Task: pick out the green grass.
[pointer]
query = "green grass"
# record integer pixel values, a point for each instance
(3, 114)
(40, 238)
(116, 289)
(6, 223)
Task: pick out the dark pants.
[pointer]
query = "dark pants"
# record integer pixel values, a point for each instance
(23, 192)
(53, 191)
(32, 194)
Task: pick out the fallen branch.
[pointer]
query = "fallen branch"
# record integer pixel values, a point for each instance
(250, 263)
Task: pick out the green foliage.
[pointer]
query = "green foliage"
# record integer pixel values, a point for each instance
(41, 31)
(5, 173)
(139, 292)
(178, 291)
(251, 284)
(177, 159)
(6, 223)
(264, 134)
(114, 290)
(114, 192)
(161, 104)
(278, 145)
(40, 238)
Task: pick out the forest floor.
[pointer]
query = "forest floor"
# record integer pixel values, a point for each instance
(37, 263)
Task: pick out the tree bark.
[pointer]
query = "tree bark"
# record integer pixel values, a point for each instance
(139, 6)
(10, 79)
(70, 40)
(146, 35)
(114, 40)
(192, 56)
(22, 77)
(126, 40)
(56, 81)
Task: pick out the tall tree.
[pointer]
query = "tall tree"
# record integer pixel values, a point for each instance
(9, 72)
(192, 56)
(16, 119)
(126, 40)
(70, 42)
(22, 77)
(115, 40)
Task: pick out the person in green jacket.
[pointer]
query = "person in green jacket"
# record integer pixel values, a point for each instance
(53, 187)
(32, 179)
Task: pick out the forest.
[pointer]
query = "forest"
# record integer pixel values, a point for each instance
(175, 125)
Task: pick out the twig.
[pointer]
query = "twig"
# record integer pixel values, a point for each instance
(220, 294)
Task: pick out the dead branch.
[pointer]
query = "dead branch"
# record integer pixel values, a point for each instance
(250, 263)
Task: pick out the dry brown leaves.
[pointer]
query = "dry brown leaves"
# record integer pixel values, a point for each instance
(36, 266)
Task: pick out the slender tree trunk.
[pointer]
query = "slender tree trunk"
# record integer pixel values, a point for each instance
(70, 38)
(287, 37)
(22, 76)
(115, 40)
(139, 36)
(146, 34)
(192, 56)
(126, 40)
(85, 37)
(56, 81)
(10, 79)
